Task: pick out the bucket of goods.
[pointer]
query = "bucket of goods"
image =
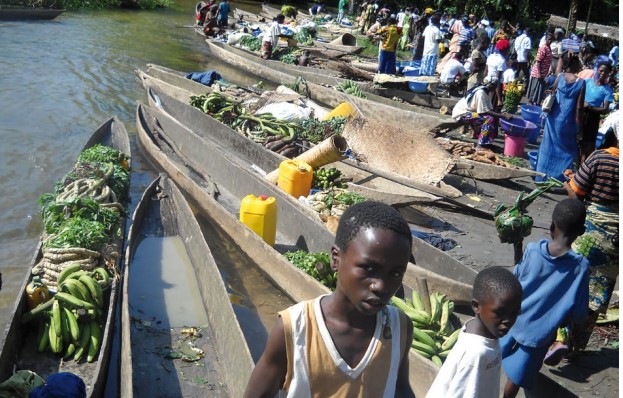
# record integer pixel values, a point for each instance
(408, 69)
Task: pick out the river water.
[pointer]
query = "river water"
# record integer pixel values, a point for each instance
(61, 79)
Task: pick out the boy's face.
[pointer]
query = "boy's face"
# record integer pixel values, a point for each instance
(371, 268)
(498, 314)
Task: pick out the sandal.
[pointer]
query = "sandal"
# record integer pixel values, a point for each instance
(555, 354)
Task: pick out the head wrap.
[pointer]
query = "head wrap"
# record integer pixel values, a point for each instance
(599, 61)
(502, 45)
(485, 22)
(428, 11)
(559, 30)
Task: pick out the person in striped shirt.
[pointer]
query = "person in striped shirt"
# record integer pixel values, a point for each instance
(597, 183)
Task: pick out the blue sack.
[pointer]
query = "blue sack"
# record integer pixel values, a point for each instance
(205, 78)
(61, 385)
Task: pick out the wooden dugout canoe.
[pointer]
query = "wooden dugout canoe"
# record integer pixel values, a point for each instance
(233, 174)
(164, 213)
(18, 342)
(220, 203)
(16, 13)
(374, 107)
(382, 112)
(174, 101)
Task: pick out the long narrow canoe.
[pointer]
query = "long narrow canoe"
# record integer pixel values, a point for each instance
(369, 108)
(18, 343)
(217, 203)
(164, 223)
(298, 223)
(374, 107)
(16, 13)
(169, 99)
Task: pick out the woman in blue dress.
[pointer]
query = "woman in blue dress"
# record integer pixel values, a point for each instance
(563, 126)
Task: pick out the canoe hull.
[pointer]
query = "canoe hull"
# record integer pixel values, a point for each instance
(163, 198)
(27, 14)
(13, 342)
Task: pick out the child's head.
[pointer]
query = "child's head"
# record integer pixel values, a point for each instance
(568, 219)
(496, 301)
(370, 255)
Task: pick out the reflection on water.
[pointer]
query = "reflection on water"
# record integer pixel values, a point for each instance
(162, 287)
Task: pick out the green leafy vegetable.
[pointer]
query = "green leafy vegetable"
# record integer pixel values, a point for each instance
(251, 42)
(316, 265)
(316, 131)
(79, 232)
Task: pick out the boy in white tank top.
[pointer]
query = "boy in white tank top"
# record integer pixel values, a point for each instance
(349, 343)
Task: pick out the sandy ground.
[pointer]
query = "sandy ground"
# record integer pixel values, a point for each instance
(595, 372)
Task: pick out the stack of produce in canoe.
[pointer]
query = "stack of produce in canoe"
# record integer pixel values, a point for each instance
(62, 317)
(83, 226)
(287, 138)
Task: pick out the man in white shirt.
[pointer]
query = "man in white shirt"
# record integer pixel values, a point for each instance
(432, 37)
(523, 46)
(270, 39)
(400, 17)
(452, 70)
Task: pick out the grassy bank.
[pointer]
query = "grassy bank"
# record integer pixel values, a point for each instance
(94, 4)
(371, 49)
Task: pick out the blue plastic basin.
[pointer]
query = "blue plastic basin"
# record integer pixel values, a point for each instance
(532, 113)
(517, 127)
(532, 157)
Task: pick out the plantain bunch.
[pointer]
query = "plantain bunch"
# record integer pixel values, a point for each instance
(350, 87)
(433, 333)
(71, 321)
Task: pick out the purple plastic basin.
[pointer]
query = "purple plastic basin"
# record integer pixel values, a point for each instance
(518, 127)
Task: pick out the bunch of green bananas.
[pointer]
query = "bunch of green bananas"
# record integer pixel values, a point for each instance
(214, 104)
(268, 124)
(433, 334)
(350, 87)
(327, 178)
(73, 317)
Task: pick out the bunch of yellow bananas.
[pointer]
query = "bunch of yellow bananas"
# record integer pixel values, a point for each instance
(512, 96)
(433, 333)
(74, 314)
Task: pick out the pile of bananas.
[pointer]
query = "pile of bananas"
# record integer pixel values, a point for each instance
(232, 113)
(219, 106)
(328, 178)
(433, 333)
(350, 87)
(72, 319)
(512, 96)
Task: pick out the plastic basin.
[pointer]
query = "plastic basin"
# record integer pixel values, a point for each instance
(532, 113)
(514, 146)
(517, 127)
(418, 87)
(532, 157)
(409, 70)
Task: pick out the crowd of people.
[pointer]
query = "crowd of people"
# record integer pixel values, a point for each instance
(212, 17)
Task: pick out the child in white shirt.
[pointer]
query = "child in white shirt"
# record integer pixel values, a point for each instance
(473, 367)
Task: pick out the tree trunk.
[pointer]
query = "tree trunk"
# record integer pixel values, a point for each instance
(351, 8)
(573, 16)
(588, 16)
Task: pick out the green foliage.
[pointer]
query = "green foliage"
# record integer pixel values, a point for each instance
(316, 265)
(289, 11)
(304, 37)
(79, 232)
(54, 214)
(316, 131)
(252, 43)
(100, 4)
